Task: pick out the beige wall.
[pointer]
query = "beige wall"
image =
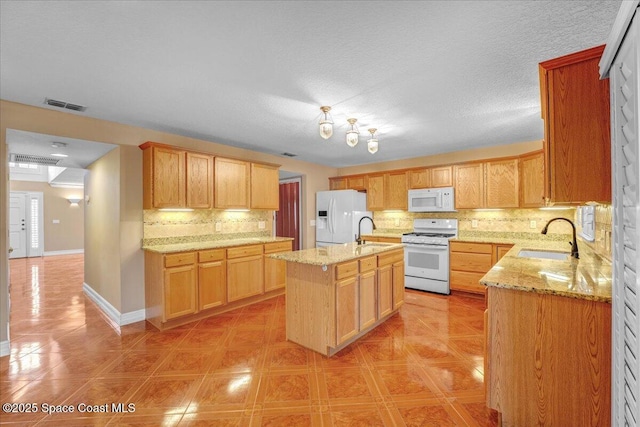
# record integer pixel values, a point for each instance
(67, 235)
(447, 158)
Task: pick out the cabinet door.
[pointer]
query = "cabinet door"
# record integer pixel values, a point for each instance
(347, 309)
(179, 291)
(419, 178)
(375, 192)
(168, 176)
(245, 277)
(502, 186)
(275, 274)
(356, 183)
(441, 176)
(532, 181)
(577, 128)
(368, 309)
(232, 179)
(337, 184)
(265, 190)
(398, 284)
(385, 291)
(469, 184)
(395, 195)
(199, 178)
(500, 251)
(212, 284)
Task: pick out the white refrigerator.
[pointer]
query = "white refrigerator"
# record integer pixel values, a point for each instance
(337, 216)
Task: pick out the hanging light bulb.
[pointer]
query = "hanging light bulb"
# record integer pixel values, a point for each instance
(352, 134)
(372, 144)
(326, 124)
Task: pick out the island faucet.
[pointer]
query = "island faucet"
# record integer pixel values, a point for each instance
(574, 244)
(358, 238)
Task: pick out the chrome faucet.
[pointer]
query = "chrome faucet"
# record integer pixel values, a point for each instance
(359, 238)
(574, 244)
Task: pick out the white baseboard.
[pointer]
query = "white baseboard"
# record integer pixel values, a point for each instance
(65, 252)
(5, 348)
(111, 312)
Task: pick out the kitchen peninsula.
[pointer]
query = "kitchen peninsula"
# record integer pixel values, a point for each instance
(338, 293)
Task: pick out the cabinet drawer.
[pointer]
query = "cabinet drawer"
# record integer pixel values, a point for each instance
(387, 258)
(479, 248)
(211, 255)
(346, 269)
(466, 281)
(479, 263)
(270, 248)
(183, 258)
(368, 264)
(243, 251)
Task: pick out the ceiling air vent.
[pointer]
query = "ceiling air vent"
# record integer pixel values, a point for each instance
(32, 159)
(63, 104)
(289, 154)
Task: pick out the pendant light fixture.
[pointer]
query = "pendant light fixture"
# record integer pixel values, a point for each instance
(326, 124)
(372, 144)
(352, 134)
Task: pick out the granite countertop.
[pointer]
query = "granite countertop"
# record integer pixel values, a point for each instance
(212, 244)
(393, 235)
(586, 278)
(336, 253)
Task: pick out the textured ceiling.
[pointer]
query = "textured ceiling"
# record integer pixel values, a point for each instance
(432, 76)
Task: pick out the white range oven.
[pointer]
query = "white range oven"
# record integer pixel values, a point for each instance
(426, 254)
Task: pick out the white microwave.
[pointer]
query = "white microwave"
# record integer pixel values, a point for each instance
(431, 200)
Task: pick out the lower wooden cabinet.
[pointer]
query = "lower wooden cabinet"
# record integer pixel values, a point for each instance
(368, 309)
(347, 309)
(245, 272)
(186, 286)
(469, 261)
(390, 282)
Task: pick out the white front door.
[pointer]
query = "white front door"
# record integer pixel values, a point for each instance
(17, 225)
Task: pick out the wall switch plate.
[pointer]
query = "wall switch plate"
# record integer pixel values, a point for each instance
(312, 223)
(56, 221)
(474, 223)
(261, 225)
(532, 224)
(218, 226)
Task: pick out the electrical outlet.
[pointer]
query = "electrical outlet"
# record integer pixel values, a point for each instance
(396, 222)
(532, 224)
(218, 226)
(261, 225)
(56, 221)
(474, 223)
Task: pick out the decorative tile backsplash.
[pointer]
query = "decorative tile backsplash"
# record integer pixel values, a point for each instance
(527, 223)
(162, 227)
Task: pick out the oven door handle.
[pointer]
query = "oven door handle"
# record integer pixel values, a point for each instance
(428, 247)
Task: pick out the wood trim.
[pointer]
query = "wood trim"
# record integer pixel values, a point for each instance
(573, 58)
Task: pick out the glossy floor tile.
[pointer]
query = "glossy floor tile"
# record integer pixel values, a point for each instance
(423, 367)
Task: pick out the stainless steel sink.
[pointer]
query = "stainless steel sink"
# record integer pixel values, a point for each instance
(531, 253)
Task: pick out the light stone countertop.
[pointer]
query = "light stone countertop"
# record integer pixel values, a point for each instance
(336, 253)
(586, 278)
(212, 244)
(392, 235)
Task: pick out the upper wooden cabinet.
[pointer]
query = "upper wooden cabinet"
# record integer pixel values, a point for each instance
(265, 192)
(501, 183)
(420, 178)
(532, 180)
(337, 184)
(387, 191)
(441, 176)
(199, 179)
(163, 177)
(356, 182)
(469, 185)
(575, 109)
(232, 183)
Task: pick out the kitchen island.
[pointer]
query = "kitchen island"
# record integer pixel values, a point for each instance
(336, 294)
(548, 337)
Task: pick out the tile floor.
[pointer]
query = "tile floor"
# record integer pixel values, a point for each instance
(423, 367)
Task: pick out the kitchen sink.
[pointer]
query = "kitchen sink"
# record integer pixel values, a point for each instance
(531, 253)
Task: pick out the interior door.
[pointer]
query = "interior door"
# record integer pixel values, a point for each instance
(288, 215)
(17, 225)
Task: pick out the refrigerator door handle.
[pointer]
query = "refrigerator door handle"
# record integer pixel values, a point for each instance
(329, 215)
(332, 218)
